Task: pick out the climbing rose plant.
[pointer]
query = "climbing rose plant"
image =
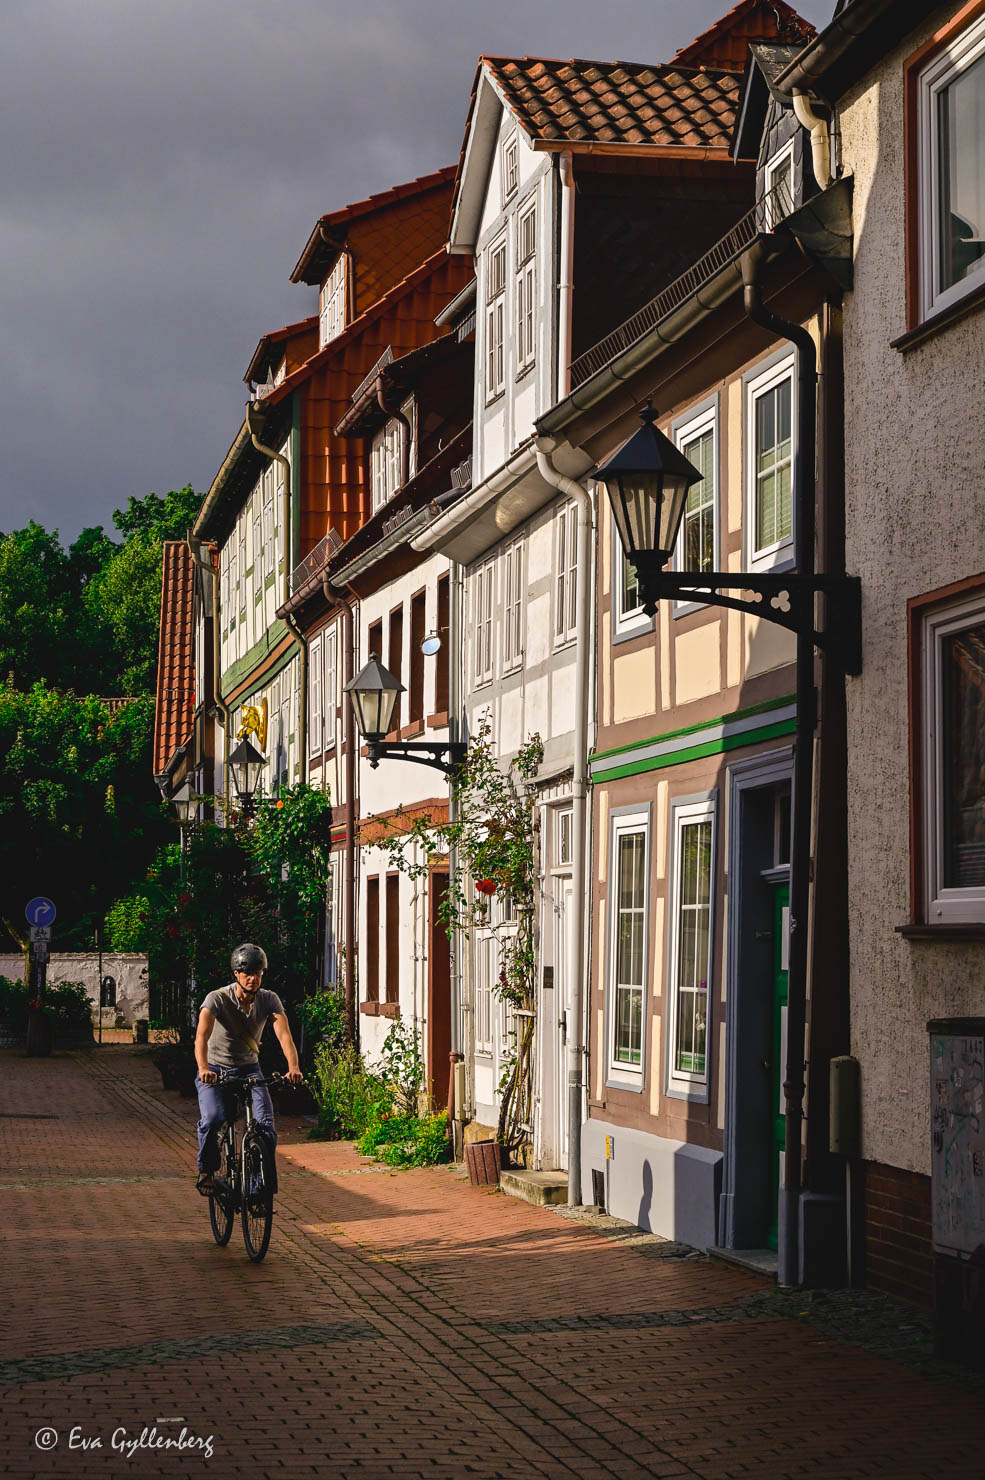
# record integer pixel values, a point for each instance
(494, 839)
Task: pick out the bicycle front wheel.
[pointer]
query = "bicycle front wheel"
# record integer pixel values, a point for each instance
(258, 1197)
(222, 1202)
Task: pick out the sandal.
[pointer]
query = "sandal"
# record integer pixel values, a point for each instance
(205, 1184)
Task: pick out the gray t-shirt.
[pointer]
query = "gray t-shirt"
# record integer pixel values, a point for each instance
(228, 1043)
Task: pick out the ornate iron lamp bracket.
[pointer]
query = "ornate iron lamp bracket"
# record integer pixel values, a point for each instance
(443, 756)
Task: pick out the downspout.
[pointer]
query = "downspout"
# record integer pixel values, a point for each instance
(794, 1082)
(253, 411)
(334, 596)
(455, 728)
(576, 1049)
(566, 274)
(820, 146)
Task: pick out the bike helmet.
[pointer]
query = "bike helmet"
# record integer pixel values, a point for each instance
(248, 958)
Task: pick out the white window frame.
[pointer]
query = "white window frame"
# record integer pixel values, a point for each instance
(943, 905)
(526, 288)
(779, 554)
(513, 606)
(495, 322)
(934, 79)
(331, 304)
(315, 700)
(483, 634)
(680, 1083)
(622, 823)
(564, 821)
(686, 432)
(773, 211)
(484, 1002)
(511, 167)
(565, 616)
(385, 463)
(330, 661)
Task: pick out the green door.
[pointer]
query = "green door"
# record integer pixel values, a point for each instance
(778, 1129)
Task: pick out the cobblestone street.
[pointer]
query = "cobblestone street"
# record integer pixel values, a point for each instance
(406, 1324)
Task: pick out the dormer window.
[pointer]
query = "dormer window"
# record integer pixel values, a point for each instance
(385, 456)
(511, 172)
(331, 304)
(779, 186)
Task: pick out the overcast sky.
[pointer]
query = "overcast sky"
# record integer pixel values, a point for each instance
(164, 163)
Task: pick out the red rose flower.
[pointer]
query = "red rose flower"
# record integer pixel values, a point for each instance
(486, 886)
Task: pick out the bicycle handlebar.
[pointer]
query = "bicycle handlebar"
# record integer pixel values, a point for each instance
(232, 1081)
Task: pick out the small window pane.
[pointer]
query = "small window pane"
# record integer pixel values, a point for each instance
(961, 166)
(963, 767)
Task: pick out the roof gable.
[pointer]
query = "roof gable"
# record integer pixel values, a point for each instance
(319, 254)
(174, 709)
(726, 43)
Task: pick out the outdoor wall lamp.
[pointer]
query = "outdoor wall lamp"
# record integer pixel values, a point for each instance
(647, 481)
(246, 764)
(374, 692)
(186, 802)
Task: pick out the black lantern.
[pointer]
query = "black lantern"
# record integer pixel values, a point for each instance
(647, 482)
(374, 692)
(246, 764)
(185, 802)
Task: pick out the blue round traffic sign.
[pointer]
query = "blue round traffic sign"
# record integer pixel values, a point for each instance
(40, 911)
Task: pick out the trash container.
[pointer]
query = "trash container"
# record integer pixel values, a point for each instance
(484, 1160)
(957, 1162)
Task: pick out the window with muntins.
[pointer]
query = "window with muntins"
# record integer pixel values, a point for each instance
(482, 622)
(315, 737)
(385, 463)
(510, 168)
(495, 320)
(628, 947)
(778, 179)
(770, 439)
(693, 839)
(951, 128)
(566, 574)
(330, 648)
(526, 309)
(331, 304)
(953, 774)
(513, 603)
(696, 545)
(485, 958)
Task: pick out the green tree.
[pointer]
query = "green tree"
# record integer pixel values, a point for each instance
(167, 518)
(123, 601)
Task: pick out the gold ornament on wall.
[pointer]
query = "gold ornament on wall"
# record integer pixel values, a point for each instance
(254, 722)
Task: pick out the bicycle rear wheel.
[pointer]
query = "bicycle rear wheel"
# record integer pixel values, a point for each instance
(258, 1197)
(222, 1201)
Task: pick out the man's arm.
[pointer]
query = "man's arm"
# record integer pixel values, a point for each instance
(286, 1040)
(206, 1022)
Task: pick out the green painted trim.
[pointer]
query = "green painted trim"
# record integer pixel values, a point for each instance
(238, 671)
(721, 719)
(698, 752)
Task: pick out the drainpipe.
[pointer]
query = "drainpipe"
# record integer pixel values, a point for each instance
(566, 274)
(820, 147)
(794, 1084)
(335, 597)
(455, 729)
(576, 1049)
(254, 421)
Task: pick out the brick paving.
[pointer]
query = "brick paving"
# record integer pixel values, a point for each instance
(406, 1324)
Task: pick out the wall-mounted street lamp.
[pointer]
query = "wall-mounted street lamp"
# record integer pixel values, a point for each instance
(246, 764)
(186, 802)
(374, 692)
(647, 481)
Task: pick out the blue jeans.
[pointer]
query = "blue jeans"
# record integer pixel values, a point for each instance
(212, 1108)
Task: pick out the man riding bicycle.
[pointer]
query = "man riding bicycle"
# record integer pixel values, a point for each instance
(230, 1025)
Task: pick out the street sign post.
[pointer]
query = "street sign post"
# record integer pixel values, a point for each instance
(40, 911)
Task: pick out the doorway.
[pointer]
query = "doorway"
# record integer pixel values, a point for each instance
(755, 1005)
(439, 993)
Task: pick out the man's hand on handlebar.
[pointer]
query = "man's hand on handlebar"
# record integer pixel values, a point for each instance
(294, 1076)
(208, 1076)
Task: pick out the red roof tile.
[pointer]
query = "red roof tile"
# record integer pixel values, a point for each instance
(726, 43)
(266, 344)
(333, 221)
(175, 706)
(583, 102)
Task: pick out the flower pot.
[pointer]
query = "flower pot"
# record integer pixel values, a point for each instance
(484, 1161)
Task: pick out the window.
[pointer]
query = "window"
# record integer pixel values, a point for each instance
(951, 131)
(268, 526)
(563, 851)
(371, 965)
(510, 170)
(395, 657)
(417, 632)
(485, 966)
(566, 574)
(241, 565)
(374, 641)
(482, 622)
(331, 304)
(691, 914)
(393, 937)
(442, 659)
(257, 551)
(495, 309)
(330, 666)
(385, 463)
(628, 947)
(770, 438)
(953, 777)
(779, 187)
(526, 310)
(513, 603)
(315, 737)
(697, 438)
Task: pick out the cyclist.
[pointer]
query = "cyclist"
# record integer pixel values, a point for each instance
(230, 1025)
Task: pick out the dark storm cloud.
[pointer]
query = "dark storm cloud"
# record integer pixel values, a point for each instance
(164, 163)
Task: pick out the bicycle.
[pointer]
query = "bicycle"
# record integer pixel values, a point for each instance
(244, 1182)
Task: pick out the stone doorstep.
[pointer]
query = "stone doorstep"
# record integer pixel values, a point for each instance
(542, 1188)
(758, 1261)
